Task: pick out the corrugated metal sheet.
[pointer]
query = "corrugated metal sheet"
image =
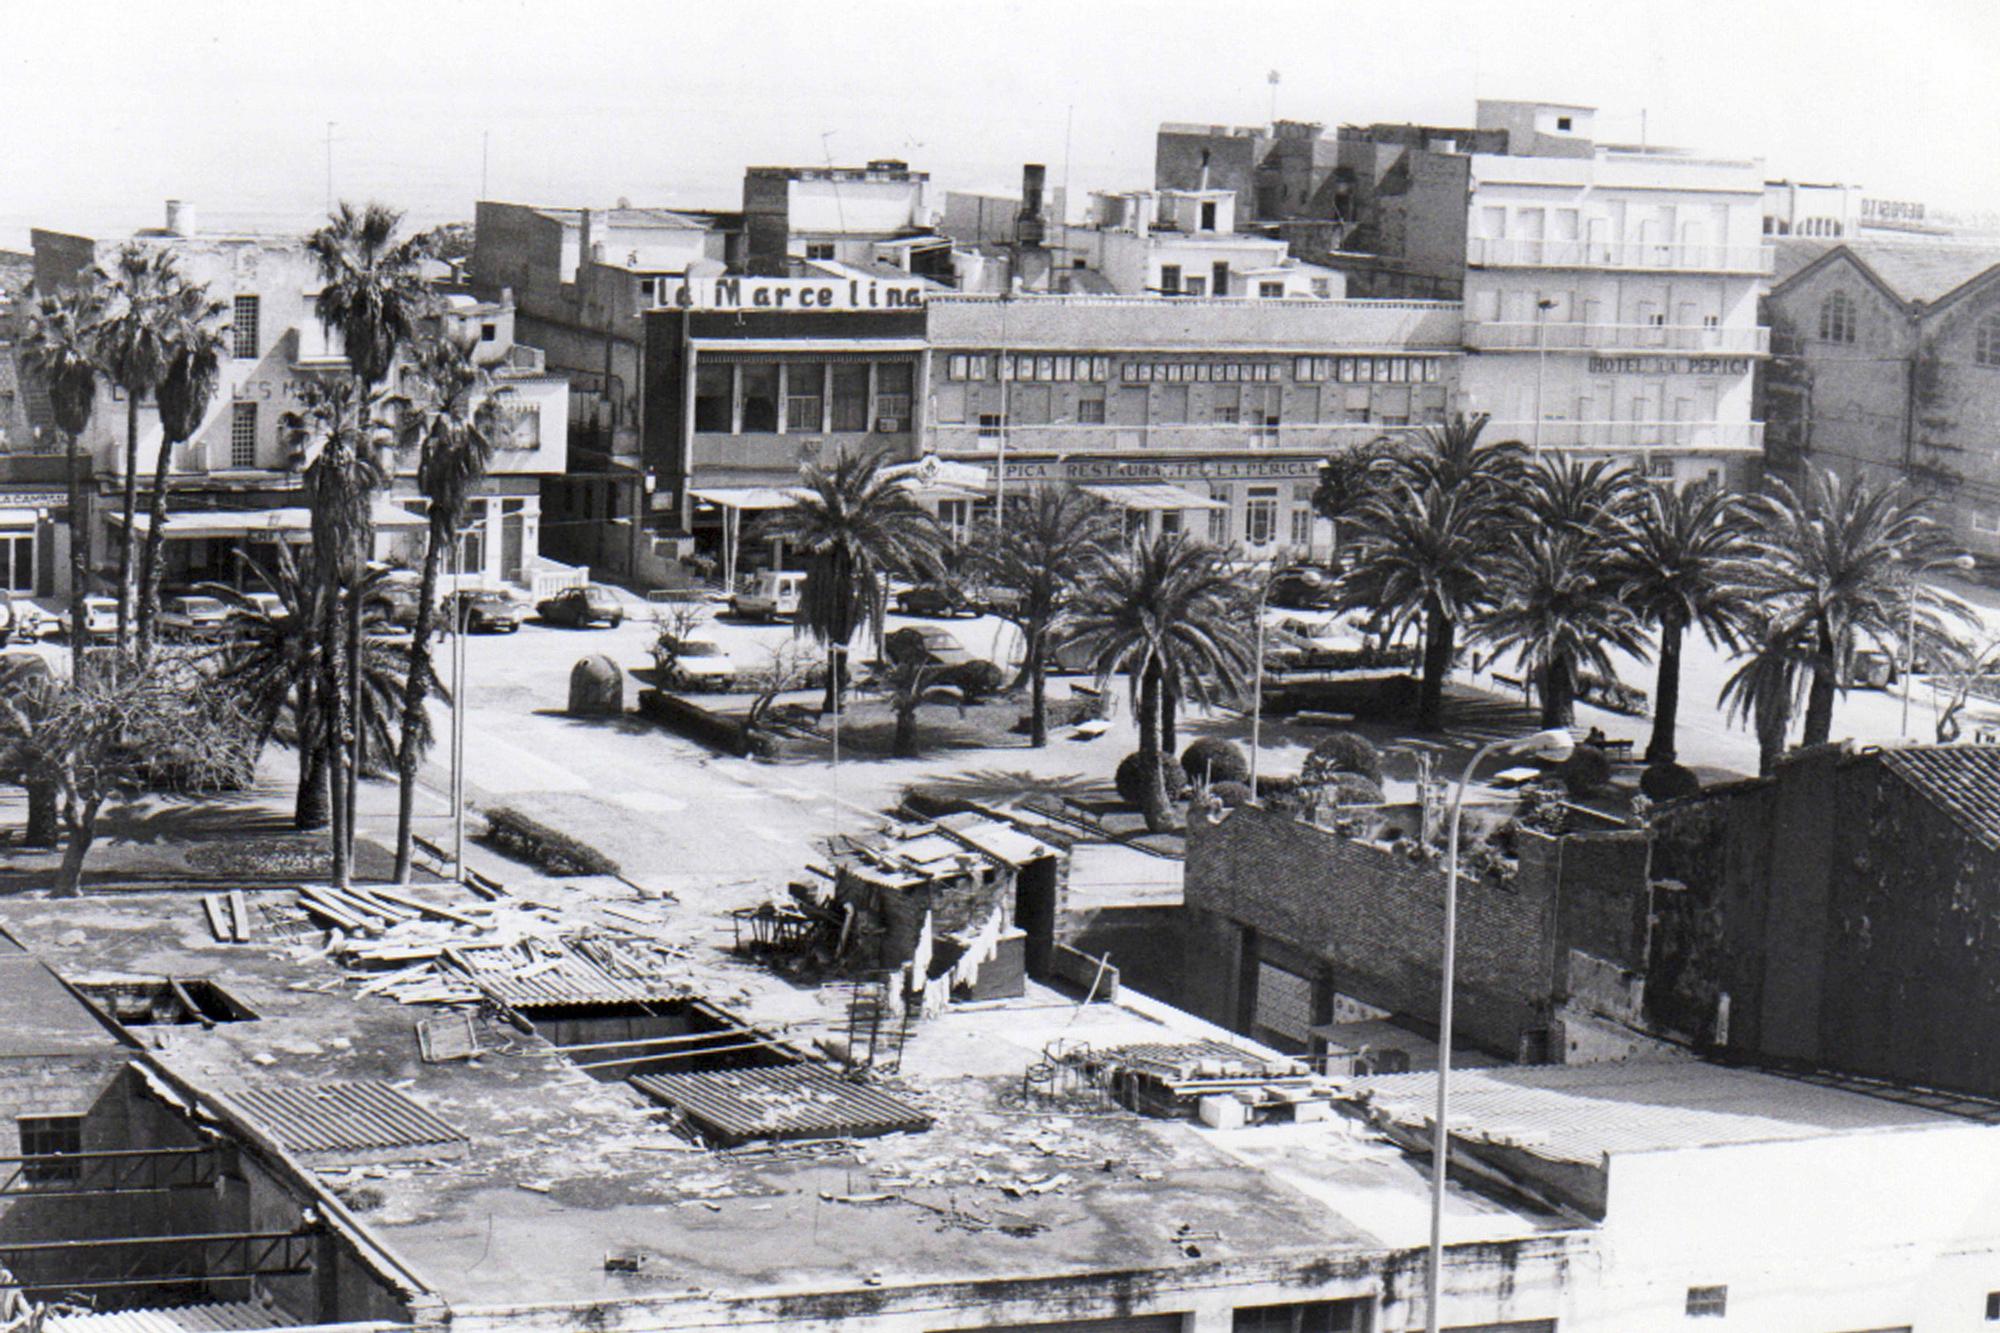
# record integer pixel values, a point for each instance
(567, 972)
(364, 1118)
(219, 1317)
(733, 1106)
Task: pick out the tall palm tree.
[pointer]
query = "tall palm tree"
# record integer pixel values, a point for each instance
(855, 529)
(1681, 565)
(1041, 554)
(1764, 691)
(1165, 614)
(340, 433)
(194, 371)
(453, 416)
(910, 683)
(60, 349)
(1561, 614)
(135, 331)
(1835, 564)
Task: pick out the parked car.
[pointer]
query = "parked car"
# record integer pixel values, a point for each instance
(484, 611)
(1301, 588)
(580, 608)
(775, 593)
(100, 617)
(1871, 669)
(925, 643)
(193, 617)
(696, 664)
(31, 621)
(268, 604)
(934, 599)
(395, 604)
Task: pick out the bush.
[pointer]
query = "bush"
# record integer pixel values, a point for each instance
(1231, 794)
(536, 843)
(1213, 760)
(975, 680)
(1669, 782)
(904, 644)
(1350, 789)
(1341, 752)
(1126, 779)
(1586, 772)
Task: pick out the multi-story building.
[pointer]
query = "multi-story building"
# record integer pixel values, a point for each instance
(879, 214)
(1184, 243)
(1887, 365)
(235, 484)
(1220, 408)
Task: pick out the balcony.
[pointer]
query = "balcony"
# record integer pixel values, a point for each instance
(1667, 257)
(1695, 437)
(1157, 438)
(1559, 336)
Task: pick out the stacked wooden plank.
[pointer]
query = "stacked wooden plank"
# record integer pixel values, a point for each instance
(228, 916)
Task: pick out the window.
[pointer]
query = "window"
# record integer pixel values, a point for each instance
(1219, 278)
(1302, 525)
(968, 366)
(1562, 123)
(1218, 526)
(989, 425)
(760, 397)
(1228, 404)
(714, 390)
(1260, 516)
(17, 562)
(819, 249)
(50, 1136)
(1196, 287)
(805, 402)
(1993, 1305)
(1707, 1302)
(1986, 350)
(1836, 318)
(850, 396)
(1207, 215)
(1322, 288)
(1307, 1317)
(1170, 278)
(1268, 291)
(647, 286)
(472, 540)
(892, 396)
(243, 435)
(243, 327)
(1090, 411)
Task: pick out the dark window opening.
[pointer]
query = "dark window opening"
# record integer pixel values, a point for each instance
(1350, 1316)
(850, 396)
(1993, 1305)
(1170, 278)
(488, 332)
(819, 250)
(712, 393)
(166, 1002)
(760, 398)
(1219, 278)
(1207, 215)
(1707, 1302)
(892, 396)
(613, 1042)
(1562, 122)
(50, 1136)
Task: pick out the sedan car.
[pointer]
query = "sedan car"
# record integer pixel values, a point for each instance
(100, 617)
(267, 604)
(194, 617)
(925, 643)
(1302, 588)
(582, 607)
(933, 599)
(484, 612)
(696, 664)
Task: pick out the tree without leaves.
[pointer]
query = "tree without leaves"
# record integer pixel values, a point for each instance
(60, 351)
(1042, 553)
(1164, 613)
(194, 369)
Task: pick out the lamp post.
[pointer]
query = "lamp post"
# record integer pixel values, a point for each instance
(1257, 682)
(1542, 308)
(461, 615)
(1959, 561)
(1555, 744)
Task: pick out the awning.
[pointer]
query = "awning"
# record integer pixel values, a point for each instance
(17, 518)
(288, 521)
(1148, 495)
(745, 497)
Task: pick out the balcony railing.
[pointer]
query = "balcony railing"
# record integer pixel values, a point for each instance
(1158, 437)
(1633, 436)
(1620, 254)
(1559, 336)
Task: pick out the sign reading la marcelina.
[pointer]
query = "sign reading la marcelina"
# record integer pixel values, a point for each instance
(726, 293)
(1670, 365)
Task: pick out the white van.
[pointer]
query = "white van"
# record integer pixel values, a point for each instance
(775, 593)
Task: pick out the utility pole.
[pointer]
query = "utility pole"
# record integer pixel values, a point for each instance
(1542, 308)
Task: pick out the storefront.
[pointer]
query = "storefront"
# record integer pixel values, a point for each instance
(1261, 505)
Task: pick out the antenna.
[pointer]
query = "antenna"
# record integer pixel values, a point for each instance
(1069, 126)
(329, 166)
(826, 151)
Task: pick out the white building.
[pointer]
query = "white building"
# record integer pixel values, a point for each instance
(1611, 296)
(1185, 243)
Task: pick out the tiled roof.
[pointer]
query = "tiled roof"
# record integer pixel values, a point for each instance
(1917, 271)
(1579, 1113)
(1793, 253)
(1961, 780)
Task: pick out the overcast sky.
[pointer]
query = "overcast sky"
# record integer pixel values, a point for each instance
(113, 107)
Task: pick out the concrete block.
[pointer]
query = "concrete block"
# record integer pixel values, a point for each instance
(1220, 1111)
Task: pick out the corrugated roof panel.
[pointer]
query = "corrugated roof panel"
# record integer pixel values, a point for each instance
(365, 1119)
(560, 973)
(218, 1317)
(734, 1106)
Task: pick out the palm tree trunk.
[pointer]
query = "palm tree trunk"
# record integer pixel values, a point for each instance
(1666, 693)
(1152, 782)
(1170, 707)
(1038, 692)
(1774, 717)
(309, 808)
(415, 691)
(1439, 632)
(906, 728)
(334, 735)
(1819, 701)
(79, 558)
(128, 510)
(358, 758)
(1558, 693)
(151, 559)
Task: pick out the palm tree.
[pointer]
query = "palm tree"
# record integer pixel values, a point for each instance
(1834, 565)
(340, 433)
(1166, 614)
(1560, 613)
(1764, 691)
(855, 528)
(185, 391)
(1680, 565)
(910, 683)
(60, 349)
(1041, 554)
(134, 332)
(453, 416)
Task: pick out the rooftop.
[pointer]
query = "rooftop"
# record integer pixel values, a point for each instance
(1923, 272)
(1961, 780)
(633, 219)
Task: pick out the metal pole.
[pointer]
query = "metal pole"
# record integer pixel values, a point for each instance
(1541, 365)
(458, 728)
(1909, 653)
(1006, 386)
(1257, 686)
(834, 658)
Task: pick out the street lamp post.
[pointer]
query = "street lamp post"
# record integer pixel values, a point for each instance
(1257, 682)
(1959, 561)
(1555, 744)
(1542, 308)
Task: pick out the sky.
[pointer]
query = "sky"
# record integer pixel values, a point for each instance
(113, 106)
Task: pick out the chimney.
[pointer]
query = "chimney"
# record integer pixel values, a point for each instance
(1204, 169)
(180, 217)
(1028, 228)
(583, 255)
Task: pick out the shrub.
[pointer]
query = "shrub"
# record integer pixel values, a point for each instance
(1341, 752)
(536, 843)
(1231, 794)
(1126, 779)
(1586, 772)
(1213, 760)
(975, 680)
(904, 643)
(1669, 782)
(1350, 789)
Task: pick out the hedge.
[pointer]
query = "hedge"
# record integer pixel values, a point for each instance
(1212, 759)
(715, 730)
(554, 851)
